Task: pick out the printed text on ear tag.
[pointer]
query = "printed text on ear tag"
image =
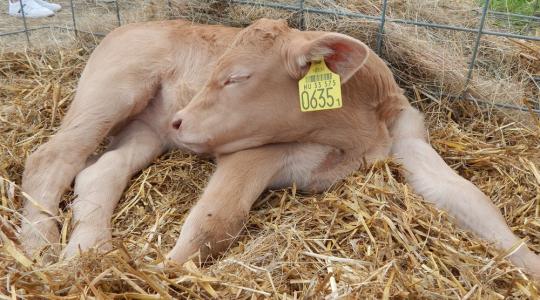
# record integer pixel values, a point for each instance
(320, 89)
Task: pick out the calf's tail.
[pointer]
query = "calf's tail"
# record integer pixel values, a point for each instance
(439, 184)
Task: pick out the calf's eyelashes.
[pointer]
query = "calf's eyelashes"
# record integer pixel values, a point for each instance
(236, 78)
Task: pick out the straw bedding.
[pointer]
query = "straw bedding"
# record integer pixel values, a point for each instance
(369, 236)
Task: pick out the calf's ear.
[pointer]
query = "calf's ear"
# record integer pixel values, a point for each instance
(343, 54)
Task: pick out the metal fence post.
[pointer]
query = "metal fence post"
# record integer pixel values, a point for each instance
(476, 45)
(535, 80)
(73, 17)
(381, 27)
(535, 8)
(117, 13)
(302, 20)
(170, 14)
(24, 22)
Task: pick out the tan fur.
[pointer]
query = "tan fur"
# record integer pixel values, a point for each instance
(233, 93)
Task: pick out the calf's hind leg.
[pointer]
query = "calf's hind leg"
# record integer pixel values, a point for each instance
(432, 178)
(100, 186)
(98, 106)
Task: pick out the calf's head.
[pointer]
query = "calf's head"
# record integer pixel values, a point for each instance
(251, 97)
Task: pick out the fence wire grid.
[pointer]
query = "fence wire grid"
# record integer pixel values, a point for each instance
(301, 9)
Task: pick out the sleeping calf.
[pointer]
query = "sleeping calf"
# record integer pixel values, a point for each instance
(233, 93)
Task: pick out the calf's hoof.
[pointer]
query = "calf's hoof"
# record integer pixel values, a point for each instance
(41, 240)
(528, 261)
(84, 238)
(533, 269)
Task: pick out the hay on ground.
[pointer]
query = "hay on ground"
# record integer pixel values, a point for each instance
(369, 236)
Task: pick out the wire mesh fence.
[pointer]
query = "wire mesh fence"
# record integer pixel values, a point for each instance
(302, 9)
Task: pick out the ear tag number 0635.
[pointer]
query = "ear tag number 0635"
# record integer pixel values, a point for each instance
(320, 89)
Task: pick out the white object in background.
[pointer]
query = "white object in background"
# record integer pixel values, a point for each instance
(52, 6)
(31, 9)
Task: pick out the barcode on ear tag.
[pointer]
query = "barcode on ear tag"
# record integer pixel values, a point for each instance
(320, 89)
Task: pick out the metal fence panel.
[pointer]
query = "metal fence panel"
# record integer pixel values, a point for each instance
(301, 9)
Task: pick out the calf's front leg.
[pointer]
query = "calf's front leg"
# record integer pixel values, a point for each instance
(218, 217)
(240, 178)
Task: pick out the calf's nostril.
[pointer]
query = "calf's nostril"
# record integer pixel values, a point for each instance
(176, 124)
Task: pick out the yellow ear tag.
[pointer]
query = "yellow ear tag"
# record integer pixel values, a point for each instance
(320, 89)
